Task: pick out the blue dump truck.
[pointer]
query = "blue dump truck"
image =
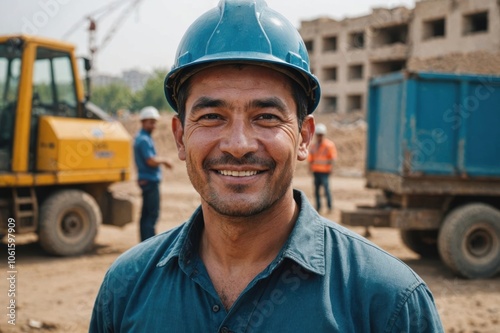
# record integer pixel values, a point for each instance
(433, 149)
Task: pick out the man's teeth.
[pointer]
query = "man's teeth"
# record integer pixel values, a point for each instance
(237, 173)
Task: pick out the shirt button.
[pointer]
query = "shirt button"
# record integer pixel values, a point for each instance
(215, 308)
(224, 330)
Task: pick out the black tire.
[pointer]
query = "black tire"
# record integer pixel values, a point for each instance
(469, 241)
(422, 242)
(68, 223)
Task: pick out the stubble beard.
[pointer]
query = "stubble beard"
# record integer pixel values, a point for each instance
(228, 207)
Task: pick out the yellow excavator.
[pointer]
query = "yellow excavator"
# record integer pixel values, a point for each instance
(59, 153)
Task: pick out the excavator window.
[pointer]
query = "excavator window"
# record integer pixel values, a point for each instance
(54, 91)
(53, 84)
(10, 71)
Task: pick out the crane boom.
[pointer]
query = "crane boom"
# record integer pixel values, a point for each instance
(95, 16)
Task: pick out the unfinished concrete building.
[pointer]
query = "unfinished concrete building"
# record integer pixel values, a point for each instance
(436, 35)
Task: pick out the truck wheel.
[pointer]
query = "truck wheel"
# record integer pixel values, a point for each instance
(68, 223)
(469, 241)
(423, 242)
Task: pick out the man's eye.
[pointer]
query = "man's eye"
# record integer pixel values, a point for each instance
(268, 116)
(210, 116)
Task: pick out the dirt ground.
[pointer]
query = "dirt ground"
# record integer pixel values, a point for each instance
(57, 294)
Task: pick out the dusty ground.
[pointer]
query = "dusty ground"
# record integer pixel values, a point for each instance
(57, 294)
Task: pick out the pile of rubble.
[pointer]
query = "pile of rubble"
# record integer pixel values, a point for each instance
(479, 62)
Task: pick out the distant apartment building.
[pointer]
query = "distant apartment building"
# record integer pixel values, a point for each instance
(99, 80)
(345, 54)
(134, 79)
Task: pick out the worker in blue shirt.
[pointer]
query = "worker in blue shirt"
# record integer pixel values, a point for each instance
(255, 256)
(148, 171)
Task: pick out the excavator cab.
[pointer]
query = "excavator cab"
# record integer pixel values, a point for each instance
(53, 92)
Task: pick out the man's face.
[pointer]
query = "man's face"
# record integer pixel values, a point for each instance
(149, 125)
(240, 138)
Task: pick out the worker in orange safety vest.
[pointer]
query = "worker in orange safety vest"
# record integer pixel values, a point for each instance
(322, 156)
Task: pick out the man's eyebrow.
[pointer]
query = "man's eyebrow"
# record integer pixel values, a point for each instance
(261, 103)
(271, 102)
(207, 102)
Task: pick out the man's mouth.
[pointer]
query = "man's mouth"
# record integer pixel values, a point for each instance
(237, 173)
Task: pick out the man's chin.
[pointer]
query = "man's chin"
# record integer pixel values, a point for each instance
(238, 208)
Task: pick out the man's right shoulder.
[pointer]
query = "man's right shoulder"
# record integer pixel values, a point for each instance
(149, 253)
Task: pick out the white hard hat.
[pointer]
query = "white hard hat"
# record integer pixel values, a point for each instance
(149, 112)
(320, 129)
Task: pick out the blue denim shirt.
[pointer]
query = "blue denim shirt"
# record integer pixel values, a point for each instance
(325, 279)
(144, 149)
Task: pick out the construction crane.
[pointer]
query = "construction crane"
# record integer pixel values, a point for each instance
(93, 19)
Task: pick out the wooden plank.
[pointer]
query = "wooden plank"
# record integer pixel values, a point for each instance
(365, 216)
(433, 185)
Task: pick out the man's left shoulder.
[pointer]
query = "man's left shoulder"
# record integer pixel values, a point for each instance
(367, 259)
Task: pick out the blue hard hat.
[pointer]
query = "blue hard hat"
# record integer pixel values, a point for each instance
(243, 31)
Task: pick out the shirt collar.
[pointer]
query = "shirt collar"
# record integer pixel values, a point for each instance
(305, 245)
(187, 242)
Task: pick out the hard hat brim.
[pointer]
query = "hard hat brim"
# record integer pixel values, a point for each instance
(178, 76)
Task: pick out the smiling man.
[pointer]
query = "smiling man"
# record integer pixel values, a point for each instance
(255, 256)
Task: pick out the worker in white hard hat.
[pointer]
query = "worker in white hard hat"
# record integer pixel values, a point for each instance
(148, 171)
(322, 156)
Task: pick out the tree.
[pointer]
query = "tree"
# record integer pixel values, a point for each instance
(153, 94)
(112, 97)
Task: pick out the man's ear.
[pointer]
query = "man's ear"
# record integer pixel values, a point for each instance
(178, 131)
(306, 137)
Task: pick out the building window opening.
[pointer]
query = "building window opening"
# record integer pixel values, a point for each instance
(475, 23)
(434, 28)
(390, 35)
(357, 40)
(355, 72)
(309, 45)
(384, 67)
(330, 104)
(330, 74)
(354, 103)
(330, 44)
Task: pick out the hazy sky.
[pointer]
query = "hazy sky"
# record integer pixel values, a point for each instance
(149, 35)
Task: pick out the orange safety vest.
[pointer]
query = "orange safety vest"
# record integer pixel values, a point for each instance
(322, 155)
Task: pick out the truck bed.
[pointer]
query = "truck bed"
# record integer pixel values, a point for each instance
(433, 127)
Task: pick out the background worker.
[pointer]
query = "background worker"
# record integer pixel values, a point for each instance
(148, 171)
(254, 256)
(322, 156)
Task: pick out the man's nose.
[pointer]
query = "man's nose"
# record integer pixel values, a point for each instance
(239, 139)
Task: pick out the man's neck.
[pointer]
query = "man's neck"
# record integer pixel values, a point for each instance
(235, 251)
(231, 242)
